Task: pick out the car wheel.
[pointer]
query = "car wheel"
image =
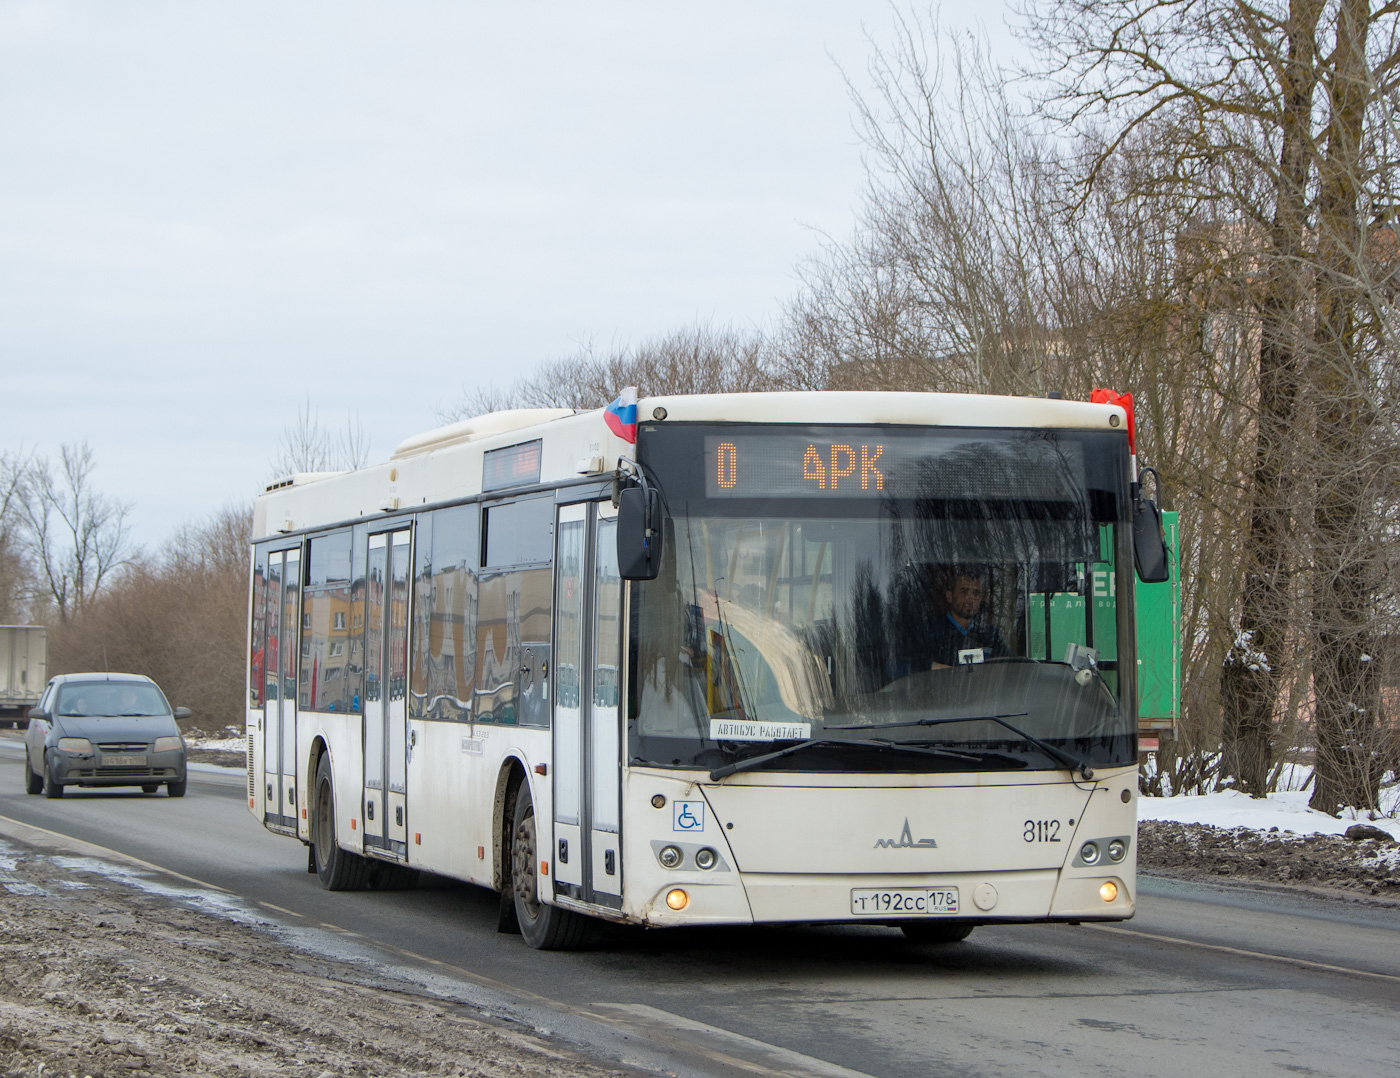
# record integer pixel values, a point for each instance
(175, 789)
(337, 869)
(546, 928)
(150, 787)
(936, 931)
(52, 788)
(33, 781)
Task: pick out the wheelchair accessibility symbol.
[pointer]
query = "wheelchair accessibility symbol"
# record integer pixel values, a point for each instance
(688, 816)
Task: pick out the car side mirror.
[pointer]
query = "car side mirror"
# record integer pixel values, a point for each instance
(639, 533)
(1149, 543)
(37, 713)
(183, 713)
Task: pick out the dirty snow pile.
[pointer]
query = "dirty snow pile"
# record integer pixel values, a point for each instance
(1275, 840)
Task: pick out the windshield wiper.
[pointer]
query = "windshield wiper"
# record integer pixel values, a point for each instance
(876, 743)
(1069, 759)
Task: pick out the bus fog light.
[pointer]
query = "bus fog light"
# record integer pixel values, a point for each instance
(669, 857)
(1116, 850)
(1089, 853)
(1108, 892)
(706, 858)
(677, 899)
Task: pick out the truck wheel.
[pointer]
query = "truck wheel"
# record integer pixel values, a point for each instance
(52, 788)
(546, 928)
(33, 782)
(936, 931)
(337, 869)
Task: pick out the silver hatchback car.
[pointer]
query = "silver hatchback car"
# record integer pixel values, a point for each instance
(104, 730)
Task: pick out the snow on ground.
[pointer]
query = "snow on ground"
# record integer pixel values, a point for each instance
(1287, 811)
(217, 744)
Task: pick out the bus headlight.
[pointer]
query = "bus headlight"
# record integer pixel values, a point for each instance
(677, 899)
(1089, 853)
(1116, 850)
(706, 858)
(669, 857)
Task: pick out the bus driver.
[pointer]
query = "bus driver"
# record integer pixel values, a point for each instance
(961, 629)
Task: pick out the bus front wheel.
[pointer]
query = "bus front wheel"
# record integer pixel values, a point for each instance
(546, 928)
(337, 869)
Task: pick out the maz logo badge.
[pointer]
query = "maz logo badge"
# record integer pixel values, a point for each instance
(905, 841)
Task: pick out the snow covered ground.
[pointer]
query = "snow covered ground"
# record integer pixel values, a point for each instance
(1288, 811)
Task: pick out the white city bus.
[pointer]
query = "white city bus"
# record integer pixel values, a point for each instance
(791, 657)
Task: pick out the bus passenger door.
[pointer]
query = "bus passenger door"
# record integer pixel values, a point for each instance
(386, 688)
(604, 738)
(587, 761)
(280, 654)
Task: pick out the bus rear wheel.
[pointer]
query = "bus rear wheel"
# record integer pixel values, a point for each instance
(337, 869)
(546, 928)
(936, 931)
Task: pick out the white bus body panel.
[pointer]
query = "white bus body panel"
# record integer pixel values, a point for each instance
(800, 843)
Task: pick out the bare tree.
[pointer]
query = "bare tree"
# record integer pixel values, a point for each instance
(307, 446)
(180, 618)
(15, 577)
(1241, 82)
(76, 535)
(695, 359)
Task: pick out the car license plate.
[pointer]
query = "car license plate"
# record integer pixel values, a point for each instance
(123, 761)
(930, 902)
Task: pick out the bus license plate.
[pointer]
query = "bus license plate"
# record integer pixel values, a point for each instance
(123, 761)
(920, 903)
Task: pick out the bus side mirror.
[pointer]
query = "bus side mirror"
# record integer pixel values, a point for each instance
(1149, 543)
(639, 533)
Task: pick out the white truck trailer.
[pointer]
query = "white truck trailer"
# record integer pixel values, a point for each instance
(24, 670)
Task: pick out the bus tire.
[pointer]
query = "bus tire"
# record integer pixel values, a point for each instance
(337, 869)
(33, 781)
(546, 928)
(936, 931)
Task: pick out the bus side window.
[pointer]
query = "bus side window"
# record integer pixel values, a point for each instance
(450, 649)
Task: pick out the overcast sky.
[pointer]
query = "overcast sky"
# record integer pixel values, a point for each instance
(209, 211)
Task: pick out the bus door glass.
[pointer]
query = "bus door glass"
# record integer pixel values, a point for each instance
(280, 649)
(587, 761)
(604, 738)
(386, 682)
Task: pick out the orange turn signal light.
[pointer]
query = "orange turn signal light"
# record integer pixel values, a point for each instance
(1109, 891)
(677, 899)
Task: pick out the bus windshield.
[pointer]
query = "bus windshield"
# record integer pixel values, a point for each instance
(863, 586)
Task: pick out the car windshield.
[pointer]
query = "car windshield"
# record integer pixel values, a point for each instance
(974, 578)
(135, 698)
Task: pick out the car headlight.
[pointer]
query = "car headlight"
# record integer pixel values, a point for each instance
(169, 744)
(79, 745)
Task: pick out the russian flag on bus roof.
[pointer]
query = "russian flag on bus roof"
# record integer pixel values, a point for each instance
(621, 415)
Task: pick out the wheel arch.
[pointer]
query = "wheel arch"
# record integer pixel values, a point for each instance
(319, 748)
(508, 780)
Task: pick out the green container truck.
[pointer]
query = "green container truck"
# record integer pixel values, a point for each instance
(1073, 615)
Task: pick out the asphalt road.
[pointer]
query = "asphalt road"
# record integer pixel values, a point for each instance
(1203, 981)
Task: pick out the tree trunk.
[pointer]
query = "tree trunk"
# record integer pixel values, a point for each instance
(1344, 517)
(1254, 665)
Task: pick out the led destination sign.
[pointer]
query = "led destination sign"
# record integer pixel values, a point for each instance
(882, 463)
